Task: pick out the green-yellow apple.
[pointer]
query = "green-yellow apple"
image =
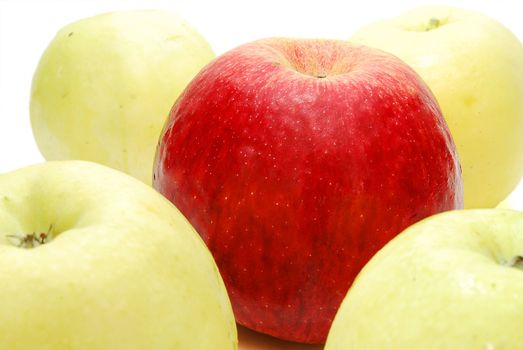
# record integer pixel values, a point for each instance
(91, 258)
(452, 281)
(105, 85)
(474, 67)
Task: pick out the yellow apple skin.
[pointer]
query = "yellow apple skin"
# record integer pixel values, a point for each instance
(105, 84)
(474, 66)
(446, 283)
(125, 270)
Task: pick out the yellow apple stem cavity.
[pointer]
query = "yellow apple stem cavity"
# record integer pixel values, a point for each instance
(426, 26)
(31, 240)
(516, 262)
(433, 24)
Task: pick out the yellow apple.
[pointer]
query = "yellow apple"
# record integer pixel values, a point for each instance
(91, 258)
(105, 84)
(474, 66)
(452, 281)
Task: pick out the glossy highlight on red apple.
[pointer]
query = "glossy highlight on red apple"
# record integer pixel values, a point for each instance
(296, 160)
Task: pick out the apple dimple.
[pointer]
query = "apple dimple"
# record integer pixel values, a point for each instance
(313, 57)
(15, 235)
(29, 221)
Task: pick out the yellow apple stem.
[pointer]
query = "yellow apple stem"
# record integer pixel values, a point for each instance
(31, 240)
(517, 262)
(433, 24)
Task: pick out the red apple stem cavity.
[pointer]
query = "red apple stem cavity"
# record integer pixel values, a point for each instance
(32, 240)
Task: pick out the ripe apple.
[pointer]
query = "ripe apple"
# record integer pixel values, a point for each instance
(91, 258)
(296, 160)
(105, 85)
(474, 67)
(452, 281)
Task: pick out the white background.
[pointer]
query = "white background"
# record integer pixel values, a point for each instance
(26, 27)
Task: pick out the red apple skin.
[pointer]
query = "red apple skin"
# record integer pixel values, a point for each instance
(296, 161)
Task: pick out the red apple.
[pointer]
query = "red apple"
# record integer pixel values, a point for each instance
(296, 161)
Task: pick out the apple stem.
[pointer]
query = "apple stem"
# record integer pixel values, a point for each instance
(32, 240)
(433, 24)
(516, 262)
